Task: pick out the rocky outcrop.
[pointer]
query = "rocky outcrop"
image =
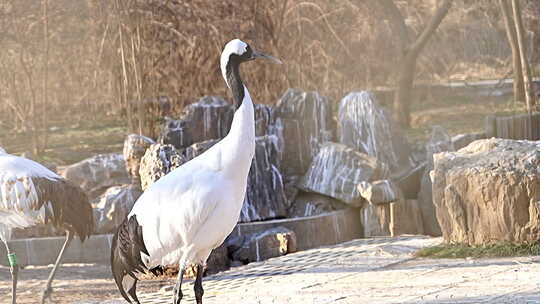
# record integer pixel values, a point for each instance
(440, 141)
(209, 118)
(311, 204)
(462, 140)
(405, 218)
(265, 194)
(337, 170)
(264, 245)
(302, 122)
(95, 174)
(134, 147)
(157, 162)
(365, 126)
(488, 192)
(113, 206)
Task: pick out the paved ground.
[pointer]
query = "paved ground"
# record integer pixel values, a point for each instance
(361, 271)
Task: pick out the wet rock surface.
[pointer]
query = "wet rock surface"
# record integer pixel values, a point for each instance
(265, 194)
(95, 174)
(489, 192)
(365, 126)
(303, 121)
(209, 118)
(113, 206)
(337, 170)
(134, 148)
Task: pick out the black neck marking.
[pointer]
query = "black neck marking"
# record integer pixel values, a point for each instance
(234, 79)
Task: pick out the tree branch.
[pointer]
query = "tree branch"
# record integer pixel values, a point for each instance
(433, 24)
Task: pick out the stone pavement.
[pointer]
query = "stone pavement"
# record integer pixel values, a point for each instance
(380, 270)
(377, 270)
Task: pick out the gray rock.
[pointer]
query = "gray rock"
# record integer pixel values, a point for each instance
(410, 182)
(375, 219)
(303, 121)
(113, 206)
(134, 147)
(209, 118)
(462, 140)
(311, 204)
(365, 126)
(265, 194)
(488, 192)
(405, 218)
(440, 141)
(94, 175)
(261, 246)
(380, 192)
(337, 170)
(158, 160)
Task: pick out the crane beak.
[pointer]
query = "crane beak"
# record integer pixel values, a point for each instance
(257, 54)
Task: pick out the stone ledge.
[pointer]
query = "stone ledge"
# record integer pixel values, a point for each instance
(314, 231)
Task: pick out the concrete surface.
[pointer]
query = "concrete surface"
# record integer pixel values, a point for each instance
(377, 270)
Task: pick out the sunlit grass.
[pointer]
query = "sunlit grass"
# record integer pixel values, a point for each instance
(503, 249)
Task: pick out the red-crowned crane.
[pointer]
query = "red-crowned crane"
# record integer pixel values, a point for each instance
(31, 194)
(187, 213)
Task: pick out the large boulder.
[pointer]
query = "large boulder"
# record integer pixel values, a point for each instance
(158, 160)
(134, 148)
(114, 205)
(265, 194)
(337, 170)
(209, 118)
(95, 174)
(303, 121)
(365, 126)
(440, 141)
(488, 192)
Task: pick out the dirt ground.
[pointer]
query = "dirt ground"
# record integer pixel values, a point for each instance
(76, 281)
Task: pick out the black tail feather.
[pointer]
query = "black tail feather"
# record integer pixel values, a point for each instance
(126, 249)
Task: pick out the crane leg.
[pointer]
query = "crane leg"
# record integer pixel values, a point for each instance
(177, 291)
(14, 268)
(48, 289)
(198, 284)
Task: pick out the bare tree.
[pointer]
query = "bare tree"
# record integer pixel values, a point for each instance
(519, 89)
(516, 9)
(409, 50)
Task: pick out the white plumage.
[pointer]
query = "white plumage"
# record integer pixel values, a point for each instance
(31, 194)
(191, 210)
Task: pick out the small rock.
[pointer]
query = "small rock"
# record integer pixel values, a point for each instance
(380, 192)
(261, 246)
(158, 160)
(114, 205)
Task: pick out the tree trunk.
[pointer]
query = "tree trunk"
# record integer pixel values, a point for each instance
(519, 89)
(402, 97)
(524, 63)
